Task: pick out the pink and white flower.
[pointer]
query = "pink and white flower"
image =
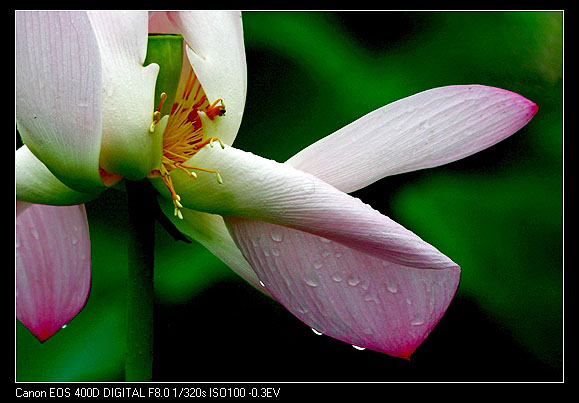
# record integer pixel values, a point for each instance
(87, 118)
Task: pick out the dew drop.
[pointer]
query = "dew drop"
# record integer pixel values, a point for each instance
(316, 332)
(317, 265)
(302, 309)
(261, 283)
(353, 281)
(275, 251)
(312, 282)
(417, 321)
(74, 240)
(358, 347)
(64, 326)
(393, 288)
(277, 235)
(337, 277)
(324, 240)
(370, 297)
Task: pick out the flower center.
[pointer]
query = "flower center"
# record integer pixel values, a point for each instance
(184, 135)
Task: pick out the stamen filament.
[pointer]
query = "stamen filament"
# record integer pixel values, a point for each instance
(184, 134)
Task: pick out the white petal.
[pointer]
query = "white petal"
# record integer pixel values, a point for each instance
(425, 130)
(210, 231)
(217, 53)
(58, 94)
(254, 187)
(128, 148)
(36, 184)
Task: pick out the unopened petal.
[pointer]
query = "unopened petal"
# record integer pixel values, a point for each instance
(53, 267)
(59, 93)
(36, 184)
(262, 189)
(216, 51)
(425, 130)
(128, 147)
(338, 291)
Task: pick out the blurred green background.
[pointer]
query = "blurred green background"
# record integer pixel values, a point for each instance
(498, 213)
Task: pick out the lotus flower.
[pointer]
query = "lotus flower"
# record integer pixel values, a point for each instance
(290, 229)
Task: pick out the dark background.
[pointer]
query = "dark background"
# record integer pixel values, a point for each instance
(498, 213)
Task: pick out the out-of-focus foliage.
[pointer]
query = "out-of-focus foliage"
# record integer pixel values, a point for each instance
(498, 213)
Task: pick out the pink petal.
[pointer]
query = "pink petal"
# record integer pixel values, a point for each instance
(338, 291)
(58, 94)
(53, 267)
(159, 23)
(425, 130)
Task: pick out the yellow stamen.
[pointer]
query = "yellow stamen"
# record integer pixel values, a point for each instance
(184, 135)
(157, 113)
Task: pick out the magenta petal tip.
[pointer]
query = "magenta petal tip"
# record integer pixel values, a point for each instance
(53, 267)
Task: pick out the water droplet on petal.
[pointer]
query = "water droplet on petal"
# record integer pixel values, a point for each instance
(358, 347)
(371, 297)
(261, 283)
(353, 281)
(417, 321)
(393, 288)
(317, 265)
(301, 309)
(316, 332)
(64, 326)
(277, 235)
(311, 281)
(337, 277)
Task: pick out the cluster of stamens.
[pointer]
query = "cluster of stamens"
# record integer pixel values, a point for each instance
(184, 135)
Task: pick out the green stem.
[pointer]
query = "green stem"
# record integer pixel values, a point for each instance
(140, 292)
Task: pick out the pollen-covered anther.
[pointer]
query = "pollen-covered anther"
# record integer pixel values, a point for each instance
(157, 113)
(216, 109)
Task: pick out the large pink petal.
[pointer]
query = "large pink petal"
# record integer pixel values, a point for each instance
(351, 296)
(53, 267)
(58, 94)
(425, 130)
